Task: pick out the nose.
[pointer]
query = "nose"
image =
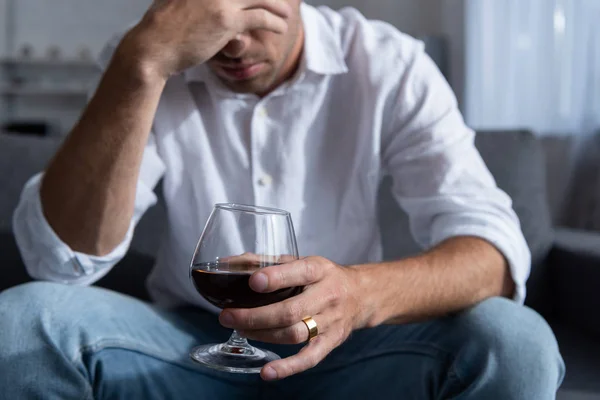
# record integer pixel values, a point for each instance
(236, 47)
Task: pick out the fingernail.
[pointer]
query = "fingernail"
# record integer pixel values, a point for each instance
(259, 282)
(226, 319)
(269, 373)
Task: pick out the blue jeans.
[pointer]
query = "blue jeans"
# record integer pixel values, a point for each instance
(61, 342)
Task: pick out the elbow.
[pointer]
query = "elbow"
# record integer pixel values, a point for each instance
(509, 287)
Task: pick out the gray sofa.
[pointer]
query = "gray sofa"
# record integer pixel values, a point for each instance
(564, 286)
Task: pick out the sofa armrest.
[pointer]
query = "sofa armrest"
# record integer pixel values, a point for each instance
(574, 264)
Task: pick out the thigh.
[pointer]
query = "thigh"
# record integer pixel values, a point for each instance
(491, 350)
(126, 374)
(123, 347)
(403, 361)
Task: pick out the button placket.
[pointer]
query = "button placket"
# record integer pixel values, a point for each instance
(262, 181)
(265, 180)
(262, 112)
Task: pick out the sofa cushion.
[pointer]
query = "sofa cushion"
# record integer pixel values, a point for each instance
(12, 270)
(515, 159)
(129, 275)
(583, 203)
(517, 162)
(21, 157)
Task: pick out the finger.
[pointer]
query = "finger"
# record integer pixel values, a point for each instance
(278, 315)
(280, 8)
(261, 19)
(156, 4)
(312, 354)
(302, 272)
(246, 257)
(257, 260)
(295, 334)
(286, 258)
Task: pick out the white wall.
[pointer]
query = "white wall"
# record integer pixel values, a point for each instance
(453, 28)
(411, 16)
(73, 28)
(3, 13)
(71, 24)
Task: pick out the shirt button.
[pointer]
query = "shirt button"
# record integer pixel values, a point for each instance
(265, 180)
(262, 112)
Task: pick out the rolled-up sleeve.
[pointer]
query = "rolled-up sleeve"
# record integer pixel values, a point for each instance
(47, 257)
(440, 179)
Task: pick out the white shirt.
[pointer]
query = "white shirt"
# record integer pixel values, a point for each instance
(367, 101)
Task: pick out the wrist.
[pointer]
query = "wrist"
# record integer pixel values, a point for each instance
(136, 59)
(371, 294)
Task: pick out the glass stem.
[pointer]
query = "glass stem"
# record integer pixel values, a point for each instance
(237, 340)
(237, 345)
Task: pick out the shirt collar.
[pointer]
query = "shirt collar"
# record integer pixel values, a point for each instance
(322, 53)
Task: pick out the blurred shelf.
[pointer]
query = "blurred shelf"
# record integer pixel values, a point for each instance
(44, 62)
(43, 91)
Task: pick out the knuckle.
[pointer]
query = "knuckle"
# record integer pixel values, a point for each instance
(333, 296)
(292, 314)
(262, 17)
(329, 297)
(298, 336)
(152, 17)
(222, 17)
(287, 319)
(310, 269)
(158, 6)
(274, 336)
(312, 360)
(279, 278)
(322, 260)
(342, 334)
(291, 369)
(156, 16)
(286, 368)
(248, 319)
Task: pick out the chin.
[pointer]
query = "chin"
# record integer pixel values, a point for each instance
(257, 86)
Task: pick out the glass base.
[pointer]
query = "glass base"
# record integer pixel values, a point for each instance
(244, 359)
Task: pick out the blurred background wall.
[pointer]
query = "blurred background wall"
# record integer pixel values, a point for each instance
(47, 50)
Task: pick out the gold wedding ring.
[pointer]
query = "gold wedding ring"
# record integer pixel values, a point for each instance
(313, 330)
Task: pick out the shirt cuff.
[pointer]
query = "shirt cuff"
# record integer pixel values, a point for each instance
(48, 257)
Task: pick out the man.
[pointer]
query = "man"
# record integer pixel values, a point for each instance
(274, 103)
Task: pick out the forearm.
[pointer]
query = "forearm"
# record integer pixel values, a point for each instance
(88, 191)
(454, 275)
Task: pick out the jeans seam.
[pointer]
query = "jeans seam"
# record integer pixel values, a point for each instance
(453, 374)
(89, 393)
(120, 344)
(101, 345)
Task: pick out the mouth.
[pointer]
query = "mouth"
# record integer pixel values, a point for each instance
(241, 72)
